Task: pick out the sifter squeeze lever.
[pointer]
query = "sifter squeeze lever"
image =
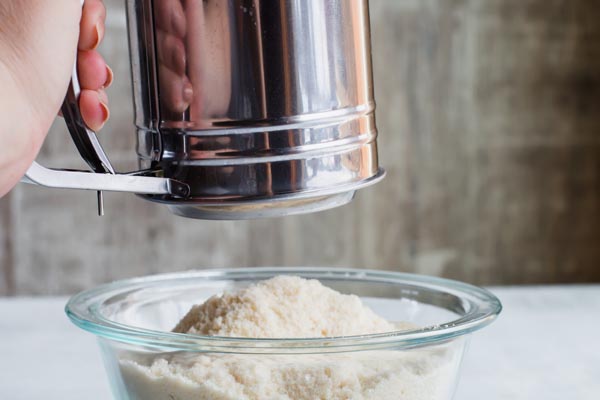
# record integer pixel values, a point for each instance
(84, 138)
(102, 175)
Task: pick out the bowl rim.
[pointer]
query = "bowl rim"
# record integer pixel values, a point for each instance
(483, 308)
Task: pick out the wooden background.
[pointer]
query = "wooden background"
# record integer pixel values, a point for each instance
(489, 120)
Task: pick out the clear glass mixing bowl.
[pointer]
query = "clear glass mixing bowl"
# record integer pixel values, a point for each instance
(144, 360)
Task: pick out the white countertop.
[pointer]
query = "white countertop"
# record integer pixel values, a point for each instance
(545, 345)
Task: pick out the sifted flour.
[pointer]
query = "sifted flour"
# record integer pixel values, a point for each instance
(290, 307)
(283, 307)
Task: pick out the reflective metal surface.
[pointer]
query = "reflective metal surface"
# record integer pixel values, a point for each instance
(254, 101)
(244, 108)
(137, 182)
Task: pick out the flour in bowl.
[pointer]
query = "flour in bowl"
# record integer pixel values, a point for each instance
(283, 307)
(290, 307)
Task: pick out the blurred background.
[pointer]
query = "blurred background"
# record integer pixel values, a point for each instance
(489, 122)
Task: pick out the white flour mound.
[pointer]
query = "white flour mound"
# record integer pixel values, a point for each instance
(283, 307)
(290, 307)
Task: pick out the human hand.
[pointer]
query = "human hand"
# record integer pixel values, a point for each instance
(37, 48)
(94, 74)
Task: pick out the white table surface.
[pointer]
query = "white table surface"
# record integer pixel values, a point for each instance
(545, 345)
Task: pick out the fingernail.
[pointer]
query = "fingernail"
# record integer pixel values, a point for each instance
(105, 114)
(188, 92)
(109, 77)
(98, 29)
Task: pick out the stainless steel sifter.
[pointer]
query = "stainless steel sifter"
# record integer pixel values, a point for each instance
(243, 108)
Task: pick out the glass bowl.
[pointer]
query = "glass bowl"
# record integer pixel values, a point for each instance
(144, 360)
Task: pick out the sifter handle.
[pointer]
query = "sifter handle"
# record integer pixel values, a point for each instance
(84, 138)
(103, 176)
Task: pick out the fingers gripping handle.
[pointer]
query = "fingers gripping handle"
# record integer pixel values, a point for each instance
(103, 176)
(84, 138)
